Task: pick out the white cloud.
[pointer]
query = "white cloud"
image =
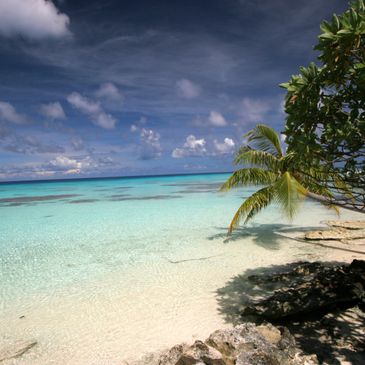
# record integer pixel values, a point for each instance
(110, 92)
(134, 128)
(178, 153)
(59, 166)
(93, 110)
(33, 19)
(191, 147)
(253, 111)
(282, 137)
(138, 124)
(187, 89)
(53, 111)
(9, 114)
(216, 119)
(225, 147)
(66, 162)
(150, 144)
(70, 165)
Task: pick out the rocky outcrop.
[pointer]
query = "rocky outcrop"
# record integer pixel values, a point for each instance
(200, 352)
(246, 344)
(347, 224)
(310, 287)
(343, 231)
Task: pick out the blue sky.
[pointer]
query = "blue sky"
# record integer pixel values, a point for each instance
(116, 87)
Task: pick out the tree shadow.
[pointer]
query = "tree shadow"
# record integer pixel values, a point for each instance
(268, 236)
(271, 236)
(335, 334)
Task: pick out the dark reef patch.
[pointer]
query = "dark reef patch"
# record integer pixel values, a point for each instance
(151, 197)
(22, 200)
(194, 191)
(81, 201)
(117, 196)
(212, 186)
(115, 188)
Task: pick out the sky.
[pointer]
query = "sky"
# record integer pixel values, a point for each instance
(92, 88)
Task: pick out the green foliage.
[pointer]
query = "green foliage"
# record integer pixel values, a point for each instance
(325, 106)
(269, 166)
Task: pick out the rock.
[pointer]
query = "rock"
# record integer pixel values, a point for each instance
(299, 271)
(231, 342)
(201, 353)
(248, 344)
(347, 224)
(256, 357)
(324, 287)
(344, 231)
(16, 350)
(338, 234)
(270, 333)
(245, 344)
(173, 355)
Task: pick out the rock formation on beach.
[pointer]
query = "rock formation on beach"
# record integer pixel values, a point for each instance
(333, 294)
(312, 287)
(245, 344)
(343, 231)
(321, 304)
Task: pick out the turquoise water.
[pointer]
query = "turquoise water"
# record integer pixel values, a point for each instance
(95, 269)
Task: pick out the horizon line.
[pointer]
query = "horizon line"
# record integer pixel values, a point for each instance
(109, 177)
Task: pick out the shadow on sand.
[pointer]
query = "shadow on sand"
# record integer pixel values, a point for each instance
(269, 236)
(335, 336)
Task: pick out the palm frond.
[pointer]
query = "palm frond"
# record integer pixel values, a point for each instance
(249, 156)
(266, 139)
(341, 186)
(249, 176)
(252, 205)
(289, 193)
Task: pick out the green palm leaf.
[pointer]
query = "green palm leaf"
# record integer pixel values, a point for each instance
(266, 139)
(252, 205)
(286, 183)
(248, 156)
(249, 176)
(289, 193)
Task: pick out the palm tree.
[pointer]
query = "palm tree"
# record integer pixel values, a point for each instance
(283, 181)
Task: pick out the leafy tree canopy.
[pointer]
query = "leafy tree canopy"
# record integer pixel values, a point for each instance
(325, 106)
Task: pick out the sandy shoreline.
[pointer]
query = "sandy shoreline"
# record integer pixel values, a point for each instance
(100, 326)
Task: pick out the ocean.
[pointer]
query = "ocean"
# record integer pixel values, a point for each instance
(104, 270)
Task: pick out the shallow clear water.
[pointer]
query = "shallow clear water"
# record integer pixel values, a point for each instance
(98, 271)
